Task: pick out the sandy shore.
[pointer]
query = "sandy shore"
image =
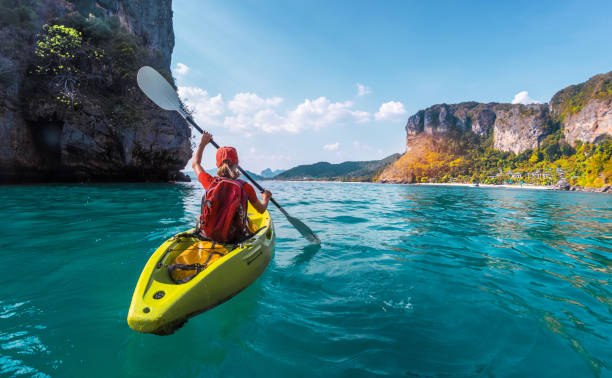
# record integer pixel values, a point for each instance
(606, 189)
(517, 186)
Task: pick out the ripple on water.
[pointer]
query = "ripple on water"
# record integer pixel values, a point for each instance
(421, 281)
(348, 219)
(20, 342)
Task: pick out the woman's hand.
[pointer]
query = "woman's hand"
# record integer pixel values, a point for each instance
(263, 205)
(197, 158)
(266, 195)
(206, 138)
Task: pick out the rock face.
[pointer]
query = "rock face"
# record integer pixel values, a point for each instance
(115, 132)
(515, 127)
(582, 111)
(150, 21)
(562, 185)
(585, 110)
(592, 123)
(520, 127)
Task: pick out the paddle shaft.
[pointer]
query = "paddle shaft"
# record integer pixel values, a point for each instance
(259, 187)
(157, 88)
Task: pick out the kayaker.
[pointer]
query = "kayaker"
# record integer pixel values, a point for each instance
(227, 172)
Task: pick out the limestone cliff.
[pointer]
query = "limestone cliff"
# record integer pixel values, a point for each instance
(585, 110)
(520, 127)
(150, 21)
(105, 129)
(515, 127)
(494, 142)
(582, 111)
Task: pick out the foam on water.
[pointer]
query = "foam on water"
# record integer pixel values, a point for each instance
(417, 281)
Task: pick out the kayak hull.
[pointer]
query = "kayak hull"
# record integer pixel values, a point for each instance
(161, 306)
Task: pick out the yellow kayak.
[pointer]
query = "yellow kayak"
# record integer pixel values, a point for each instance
(160, 305)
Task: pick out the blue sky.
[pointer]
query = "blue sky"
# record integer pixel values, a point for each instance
(297, 82)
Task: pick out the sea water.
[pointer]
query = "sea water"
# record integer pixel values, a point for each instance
(408, 281)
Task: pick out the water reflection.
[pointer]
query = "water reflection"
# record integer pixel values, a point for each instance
(20, 340)
(307, 254)
(421, 280)
(536, 238)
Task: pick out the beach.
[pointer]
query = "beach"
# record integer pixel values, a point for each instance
(570, 188)
(511, 186)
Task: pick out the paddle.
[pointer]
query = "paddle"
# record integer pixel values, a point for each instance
(161, 93)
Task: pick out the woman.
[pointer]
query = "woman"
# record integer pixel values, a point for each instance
(227, 168)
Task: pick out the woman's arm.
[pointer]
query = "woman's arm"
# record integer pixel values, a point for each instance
(261, 206)
(197, 158)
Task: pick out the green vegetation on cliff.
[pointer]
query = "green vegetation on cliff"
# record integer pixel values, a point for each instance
(572, 99)
(69, 103)
(76, 56)
(466, 157)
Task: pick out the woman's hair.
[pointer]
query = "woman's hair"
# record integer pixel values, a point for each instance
(227, 170)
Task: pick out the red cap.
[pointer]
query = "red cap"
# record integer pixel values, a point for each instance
(227, 153)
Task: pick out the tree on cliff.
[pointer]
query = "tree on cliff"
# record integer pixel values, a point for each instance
(59, 49)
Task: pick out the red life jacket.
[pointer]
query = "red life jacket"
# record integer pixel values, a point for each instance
(223, 216)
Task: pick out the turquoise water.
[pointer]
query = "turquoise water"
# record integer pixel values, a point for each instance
(409, 281)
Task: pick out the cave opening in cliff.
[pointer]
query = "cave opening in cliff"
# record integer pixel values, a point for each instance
(47, 137)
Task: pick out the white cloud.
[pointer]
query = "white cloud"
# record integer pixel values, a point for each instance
(239, 123)
(331, 147)
(180, 69)
(248, 103)
(248, 113)
(315, 114)
(207, 110)
(363, 90)
(390, 111)
(523, 98)
(269, 121)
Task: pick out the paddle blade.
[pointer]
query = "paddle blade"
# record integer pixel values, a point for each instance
(157, 88)
(303, 229)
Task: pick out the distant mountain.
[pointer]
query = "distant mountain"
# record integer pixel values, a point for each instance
(191, 175)
(268, 173)
(347, 171)
(255, 176)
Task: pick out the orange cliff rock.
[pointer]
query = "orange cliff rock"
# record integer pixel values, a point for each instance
(426, 156)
